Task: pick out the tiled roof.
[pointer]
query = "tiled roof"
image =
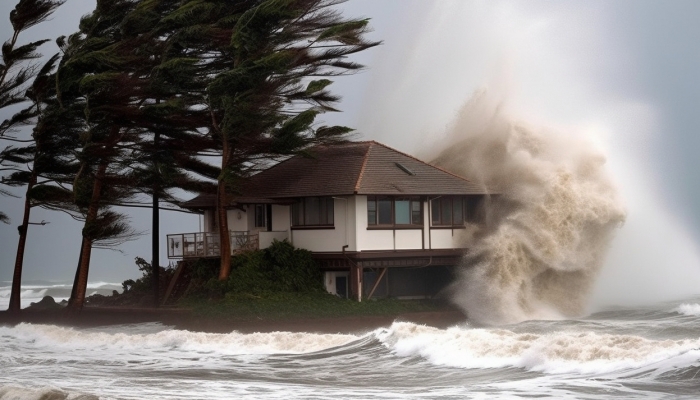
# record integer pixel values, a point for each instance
(368, 168)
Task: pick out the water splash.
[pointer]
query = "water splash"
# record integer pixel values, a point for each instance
(546, 232)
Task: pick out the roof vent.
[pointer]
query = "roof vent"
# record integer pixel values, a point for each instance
(405, 169)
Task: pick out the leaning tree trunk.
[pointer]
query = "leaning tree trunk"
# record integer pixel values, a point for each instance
(15, 295)
(155, 231)
(224, 237)
(86, 248)
(221, 202)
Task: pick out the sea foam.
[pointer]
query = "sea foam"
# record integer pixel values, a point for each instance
(53, 337)
(689, 309)
(552, 353)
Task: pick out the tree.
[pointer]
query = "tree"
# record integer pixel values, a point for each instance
(141, 135)
(16, 72)
(259, 58)
(90, 76)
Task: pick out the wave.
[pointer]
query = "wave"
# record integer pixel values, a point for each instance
(689, 309)
(44, 393)
(53, 337)
(553, 353)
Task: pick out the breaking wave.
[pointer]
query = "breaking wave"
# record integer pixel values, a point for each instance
(553, 353)
(549, 226)
(689, 309)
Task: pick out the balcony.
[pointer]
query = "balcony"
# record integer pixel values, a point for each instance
(207, 244)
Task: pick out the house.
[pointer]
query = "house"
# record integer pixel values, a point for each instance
(380, 222)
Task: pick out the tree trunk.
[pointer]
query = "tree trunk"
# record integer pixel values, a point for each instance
(155, 232)
(86, 248)
(15, 295)
(71, 300)
(224, 237)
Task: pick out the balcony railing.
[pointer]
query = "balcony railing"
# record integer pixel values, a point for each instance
(207, 244)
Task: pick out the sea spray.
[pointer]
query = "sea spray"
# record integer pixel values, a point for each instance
(547, 228)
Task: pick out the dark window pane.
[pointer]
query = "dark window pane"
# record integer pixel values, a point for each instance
(415, 213)
(446, 209)
(311, 211)
(457, 211)
(435, 207)
(327, 216)
(384, 210)
(371, 210)
(260, 216)
(298, 213)
(402, 212)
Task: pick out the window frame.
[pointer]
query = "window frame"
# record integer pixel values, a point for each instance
(374, 208)
(301, 205)
(260, 210)
(441, 201)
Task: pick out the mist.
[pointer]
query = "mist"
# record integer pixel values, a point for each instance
(558, 72)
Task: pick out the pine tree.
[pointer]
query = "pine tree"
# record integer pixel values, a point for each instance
(16, 72)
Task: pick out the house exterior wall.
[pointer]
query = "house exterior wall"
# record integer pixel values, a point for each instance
(280, 218)
(328, 239)
(400, 239)
(350, 227)
(442, 239)
(237, 219)
(207, 220)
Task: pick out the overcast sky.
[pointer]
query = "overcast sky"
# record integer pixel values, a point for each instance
(623, 74)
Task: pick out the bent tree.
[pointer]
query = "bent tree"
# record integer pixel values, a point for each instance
(266, 63)
(16, 72)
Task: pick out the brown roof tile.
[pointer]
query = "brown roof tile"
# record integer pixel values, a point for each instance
(368, 168)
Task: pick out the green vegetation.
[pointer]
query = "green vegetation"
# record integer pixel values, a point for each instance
(275, 283)
(302, 305)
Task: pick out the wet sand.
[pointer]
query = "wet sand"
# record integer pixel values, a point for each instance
(187, 320)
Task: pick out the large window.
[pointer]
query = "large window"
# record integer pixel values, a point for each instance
(313, 211)
(260, 216)
(394, 211)
(448, 211)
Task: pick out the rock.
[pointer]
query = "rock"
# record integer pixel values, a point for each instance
(46, 303)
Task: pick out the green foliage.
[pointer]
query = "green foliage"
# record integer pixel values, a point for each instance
(279, 268)
(281, 305)
(144, 285)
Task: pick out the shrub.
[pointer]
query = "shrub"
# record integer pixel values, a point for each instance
(278, 268)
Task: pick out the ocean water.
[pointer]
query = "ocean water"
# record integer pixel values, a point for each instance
(34, 291)
(651, 352)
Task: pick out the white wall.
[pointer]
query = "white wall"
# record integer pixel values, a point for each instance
(238, 219)
(408, 239)
(382, 239)
(442, 239)
(280, 217)
(327, 240)
(207, 218)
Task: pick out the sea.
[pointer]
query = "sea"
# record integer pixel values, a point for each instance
(650, 352)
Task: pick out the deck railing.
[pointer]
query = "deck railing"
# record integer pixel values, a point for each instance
(207, 244)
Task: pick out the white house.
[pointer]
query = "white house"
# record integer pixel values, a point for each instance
(380, 222)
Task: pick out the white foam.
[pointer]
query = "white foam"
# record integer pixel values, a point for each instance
(42, 393)
(689, 309)
(553, 353)
(60, 338)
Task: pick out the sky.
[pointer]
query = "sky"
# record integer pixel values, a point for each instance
(621, 74)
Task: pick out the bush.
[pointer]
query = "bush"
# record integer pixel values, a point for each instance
(278, 268)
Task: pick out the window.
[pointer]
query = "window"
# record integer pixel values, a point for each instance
(260, 216)
(448, 211)
(313, 211)
(391, 211)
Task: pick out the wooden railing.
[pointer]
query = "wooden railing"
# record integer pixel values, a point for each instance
(207, 244)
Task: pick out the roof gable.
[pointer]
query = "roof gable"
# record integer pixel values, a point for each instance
(367, 168)
(356, 168)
